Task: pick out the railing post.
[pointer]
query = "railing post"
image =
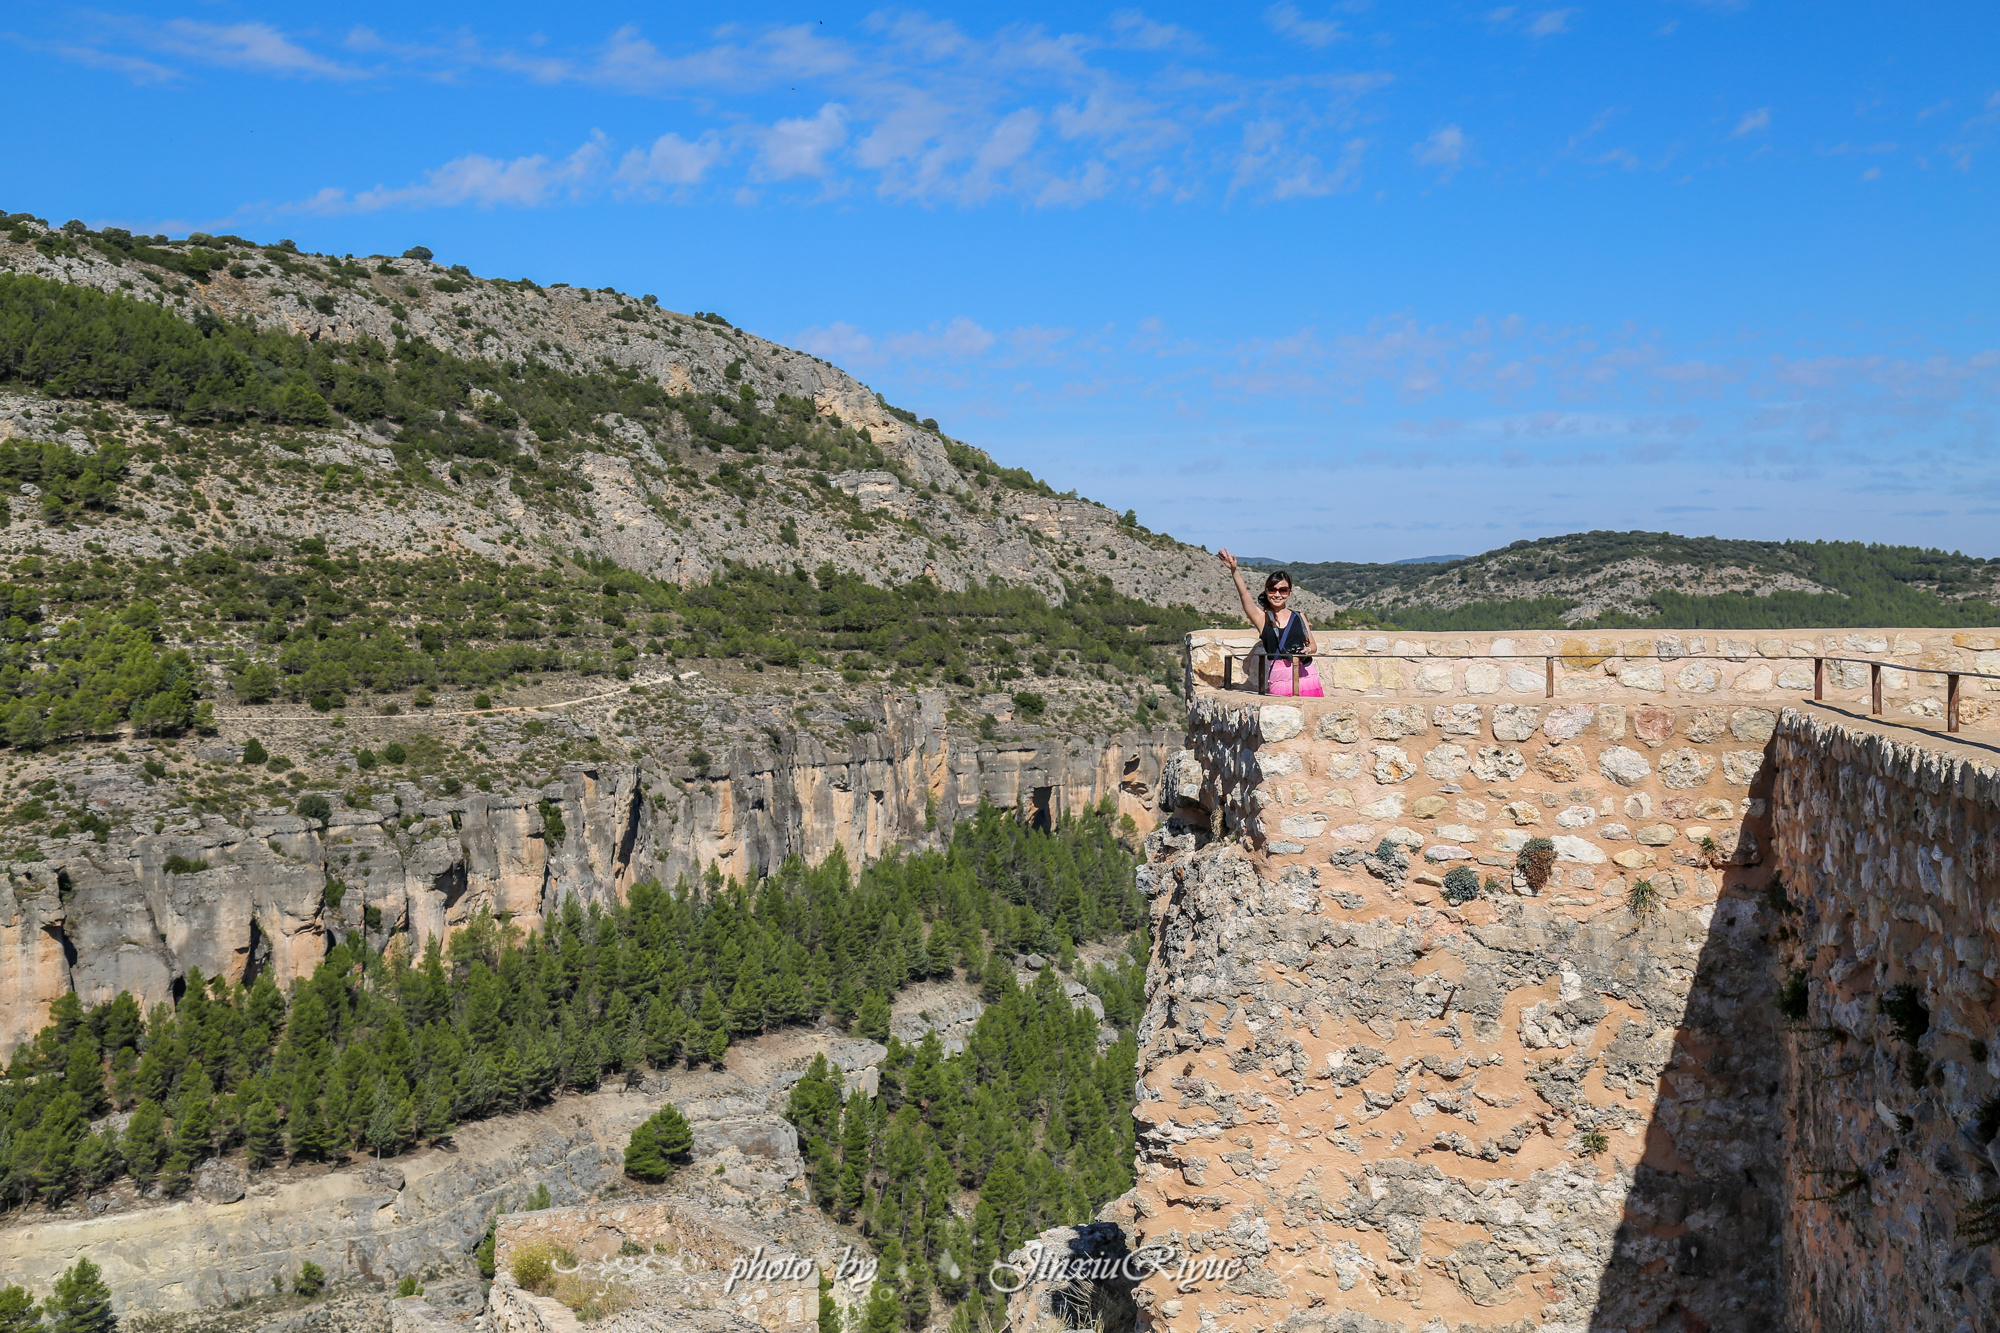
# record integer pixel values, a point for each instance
(1819, 679)
(1549, 675)
(1228, 668)
(1951, 701)
(1875, 686)
(1263, 672)
(1187, 670)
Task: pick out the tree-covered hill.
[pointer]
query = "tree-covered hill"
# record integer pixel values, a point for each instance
(1622, 579)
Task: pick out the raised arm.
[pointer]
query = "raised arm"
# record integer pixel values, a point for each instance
(1250, 607)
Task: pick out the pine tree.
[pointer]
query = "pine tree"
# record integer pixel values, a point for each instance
(873, 1020)
(98, 1161)
(194, 1116)
(665, 1025)
(829, 1313)
(381, 1134)
(85, 1074)
(263, 1135)
(713, 1027)
(18, 1313)
(658, 1143)
(884, 1312)
(81, 1303)
(145, 1141)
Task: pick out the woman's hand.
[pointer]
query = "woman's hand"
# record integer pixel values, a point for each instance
(1228, 560)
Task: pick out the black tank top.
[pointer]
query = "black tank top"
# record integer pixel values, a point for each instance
(1279, 641)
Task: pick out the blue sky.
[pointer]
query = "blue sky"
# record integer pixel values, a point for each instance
(1322, 282)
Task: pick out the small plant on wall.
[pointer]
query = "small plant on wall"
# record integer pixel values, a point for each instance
(1536, 861)
(1461, 885)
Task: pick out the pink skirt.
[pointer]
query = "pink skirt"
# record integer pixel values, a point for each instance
(1280, 681)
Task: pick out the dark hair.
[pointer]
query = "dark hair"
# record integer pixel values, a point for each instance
(1272, 580)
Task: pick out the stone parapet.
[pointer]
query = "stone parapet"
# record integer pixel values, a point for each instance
(1683, 666)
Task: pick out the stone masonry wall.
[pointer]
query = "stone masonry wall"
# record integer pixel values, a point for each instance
(1504, 1114)
(1890, 856)
(1636, 665)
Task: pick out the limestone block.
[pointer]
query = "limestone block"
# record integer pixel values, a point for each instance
(1456, 833)
(1482, 678)
(1352, 673)
(1279, 722)
(1611, 722)
(1796, 676)
(1458, 719)
(1445, 762)
(1623, 765)
(1652, 723)
(1352, 833)
(1390, 724)
(1638, 806)
(1576, 816)
(1498, 763)
(1471, 808)
(1427, 807)
(1520, 680)
(1579, 655)
(1339, 725)
(1392, 764)
(1668, 647)
(1509, 840)
(1680, 769)
(1515, 722)
(1634, 859)
(1648, 676)
(1567, 722)
(1756, 680)
(1615, 833)
(1865, 643)
(1439, 852)
(1343, 764)
(1560, 763)
(1302, 826)
(1753, 726)
(1388, 807)
(1522, 812)
(1704, 725)
(1656, 835)
(1736, 648)
(1274, 763)
(1433, 678)
(1741, 767)
(1698, 677)
(1411, 648)
(1712, 808)
(1569, 847)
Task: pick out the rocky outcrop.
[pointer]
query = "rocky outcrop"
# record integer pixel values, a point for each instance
(101, 918)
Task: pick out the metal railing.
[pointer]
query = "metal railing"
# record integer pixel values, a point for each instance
(1875, 668)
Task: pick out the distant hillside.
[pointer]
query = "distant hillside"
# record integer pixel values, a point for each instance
(1617, 579)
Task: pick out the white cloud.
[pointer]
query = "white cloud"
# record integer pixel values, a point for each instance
(476, 180)
(1551, 22)
(670, 161)
(959, 339)
(1308, 178)
(1286, 20)
(1752, 122)
(1445, 149)
(799, 147)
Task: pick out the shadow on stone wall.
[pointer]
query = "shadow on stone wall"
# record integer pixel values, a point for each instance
(1698, 1246)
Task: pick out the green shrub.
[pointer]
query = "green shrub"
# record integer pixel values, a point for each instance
(534, 1265)
(365, 760)
(254, 751)
(1461, 885)
(408, 1287)
(182, 865)
(658, 1144)
(1794, 1000)
(314, 807)
(310, 1281)
(1029, 704)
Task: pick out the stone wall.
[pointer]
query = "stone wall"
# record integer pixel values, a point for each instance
(1634, 665)
(1504, 1113)
(1732, 1066)
(101, 918)
(1890, 856)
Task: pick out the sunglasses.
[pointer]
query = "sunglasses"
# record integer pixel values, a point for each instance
(1280, 591)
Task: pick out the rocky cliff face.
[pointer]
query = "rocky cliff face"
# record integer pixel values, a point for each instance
(100, 918)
